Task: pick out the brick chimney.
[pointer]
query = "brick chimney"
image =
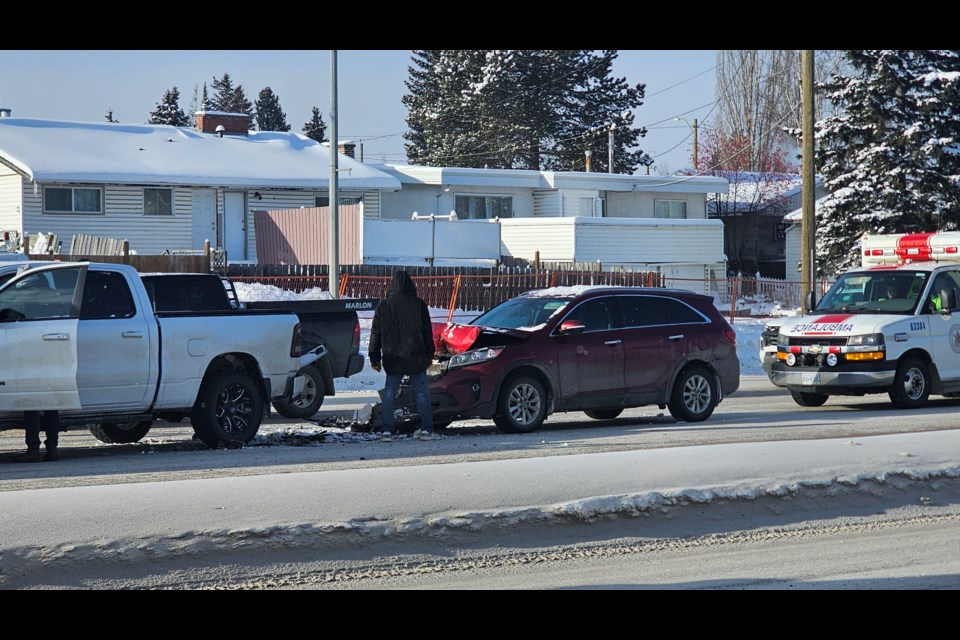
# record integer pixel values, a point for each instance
(347, 148)
(232, 123)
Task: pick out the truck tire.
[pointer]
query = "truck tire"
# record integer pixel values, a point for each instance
(121, 432)
(311, 400)
(911, 385)
(806, 399)
(229, 409)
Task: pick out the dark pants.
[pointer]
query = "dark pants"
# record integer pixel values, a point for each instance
(51, 425)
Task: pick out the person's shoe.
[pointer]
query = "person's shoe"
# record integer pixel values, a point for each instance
(32, 454)
(52, 454)
(386, 436)
(426, 435)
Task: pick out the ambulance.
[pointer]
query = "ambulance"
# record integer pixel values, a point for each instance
(890, 326)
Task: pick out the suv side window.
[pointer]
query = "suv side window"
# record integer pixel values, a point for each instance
(680, 313)
(597, 314)
(642, 311)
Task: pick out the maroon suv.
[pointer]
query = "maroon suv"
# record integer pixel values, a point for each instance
(593, 349)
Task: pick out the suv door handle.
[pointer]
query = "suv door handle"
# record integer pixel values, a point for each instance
(612, 343)
(132, 334)
(56, 336)
(679, 336)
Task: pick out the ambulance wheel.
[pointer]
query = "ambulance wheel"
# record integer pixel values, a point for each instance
(805, 399)
(911, 386)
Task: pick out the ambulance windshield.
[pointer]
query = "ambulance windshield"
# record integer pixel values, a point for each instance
(880, 291)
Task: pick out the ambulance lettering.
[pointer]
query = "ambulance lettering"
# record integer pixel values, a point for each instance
(827, 325)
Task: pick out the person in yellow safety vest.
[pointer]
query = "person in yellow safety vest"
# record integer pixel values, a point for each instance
(941, 282)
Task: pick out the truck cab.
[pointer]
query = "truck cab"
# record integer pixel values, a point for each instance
(890, 326)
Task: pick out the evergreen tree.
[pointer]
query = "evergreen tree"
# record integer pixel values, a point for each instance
(270, 117)
(205, 103)
(315, 129)
(230, 99)
(531, 109)
(192, 109)
(889, 158)
(168, 110)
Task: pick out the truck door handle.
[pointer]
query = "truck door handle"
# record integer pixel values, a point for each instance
(612, 343)
(132, 334)
(56, 336)
(679, 336)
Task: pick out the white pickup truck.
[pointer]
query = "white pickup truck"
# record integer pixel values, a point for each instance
(84, 338)
(891, 326)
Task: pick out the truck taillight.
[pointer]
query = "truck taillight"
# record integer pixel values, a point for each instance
(296, 344)
(356, 334)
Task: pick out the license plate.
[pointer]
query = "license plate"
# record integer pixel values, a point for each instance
(811, 378)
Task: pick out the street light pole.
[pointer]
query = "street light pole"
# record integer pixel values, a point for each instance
(334, 236)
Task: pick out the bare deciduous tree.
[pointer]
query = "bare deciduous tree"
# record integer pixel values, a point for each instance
(759, 99)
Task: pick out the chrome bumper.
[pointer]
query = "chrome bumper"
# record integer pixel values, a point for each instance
(832, 378)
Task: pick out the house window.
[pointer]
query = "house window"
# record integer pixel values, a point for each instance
(158, 202)
(670, 208)
(324, 201)
(477, 207)
(72, 200)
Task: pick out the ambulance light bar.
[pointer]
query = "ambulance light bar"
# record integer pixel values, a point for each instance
(897, 248)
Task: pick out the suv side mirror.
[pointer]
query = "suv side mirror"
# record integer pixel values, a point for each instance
(569, 327)
(809, 302)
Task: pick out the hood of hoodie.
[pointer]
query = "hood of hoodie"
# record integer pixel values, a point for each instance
(402, 284)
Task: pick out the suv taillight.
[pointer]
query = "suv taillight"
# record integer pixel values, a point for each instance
(731, 335)
(296, 344)
(356, 334)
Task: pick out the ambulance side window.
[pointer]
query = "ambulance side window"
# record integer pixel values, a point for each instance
(944, 280)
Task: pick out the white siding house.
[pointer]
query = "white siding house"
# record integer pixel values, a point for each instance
(163, 188)
(683, 250)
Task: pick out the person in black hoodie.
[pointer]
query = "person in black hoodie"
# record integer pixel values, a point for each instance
(401, 343)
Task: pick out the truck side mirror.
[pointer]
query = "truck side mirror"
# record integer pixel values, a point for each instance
(809, 302)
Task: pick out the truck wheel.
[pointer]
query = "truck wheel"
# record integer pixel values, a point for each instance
(522, 406)
(911, 386)
(805, 399)
(311, 400)
(121, 432)
(229, 409)
(694, 395)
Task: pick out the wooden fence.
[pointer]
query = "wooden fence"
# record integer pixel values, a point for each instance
(466, 288)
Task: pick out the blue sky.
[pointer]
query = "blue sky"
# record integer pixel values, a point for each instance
(85, 85)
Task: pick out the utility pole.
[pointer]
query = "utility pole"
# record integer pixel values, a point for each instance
(695, 165)
(334, 237)
(610, 147)
(808, 229)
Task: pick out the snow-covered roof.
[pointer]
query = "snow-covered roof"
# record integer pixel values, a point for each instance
(114, 153)
(820, 207)
(463, 176)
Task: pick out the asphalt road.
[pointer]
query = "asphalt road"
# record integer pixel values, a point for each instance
(310, 506)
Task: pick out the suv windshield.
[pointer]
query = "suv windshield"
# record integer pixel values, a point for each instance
(896, 292)
(525, 312)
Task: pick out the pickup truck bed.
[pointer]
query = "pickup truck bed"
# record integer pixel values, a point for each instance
(332, 324)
